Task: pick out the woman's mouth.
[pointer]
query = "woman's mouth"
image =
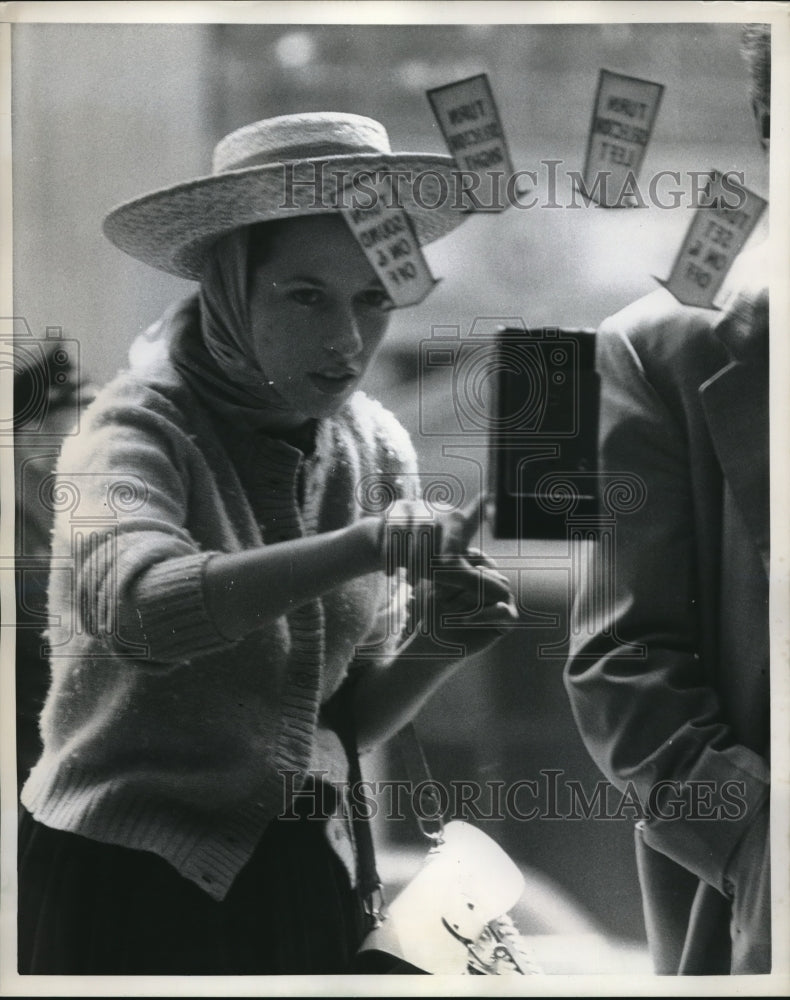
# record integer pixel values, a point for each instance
(333, 383)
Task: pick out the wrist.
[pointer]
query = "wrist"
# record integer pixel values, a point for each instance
(368, 538)
(424, 646)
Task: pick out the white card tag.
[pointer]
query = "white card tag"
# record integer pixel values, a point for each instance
(720, 227)
(468, 117)
(623, 117)
(387, 237)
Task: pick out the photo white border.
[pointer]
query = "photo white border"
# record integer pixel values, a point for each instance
(364, 12)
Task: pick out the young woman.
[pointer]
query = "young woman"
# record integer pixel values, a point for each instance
(226, 615)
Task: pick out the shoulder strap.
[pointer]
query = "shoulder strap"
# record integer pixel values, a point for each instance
(419, 776)
(338, 712)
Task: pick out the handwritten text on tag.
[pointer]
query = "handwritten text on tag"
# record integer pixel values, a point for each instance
(622, 123)
(718, 231)
(470, 124)
(385, 233)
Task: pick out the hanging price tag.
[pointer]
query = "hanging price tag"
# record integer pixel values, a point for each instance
(470, 123)
(623, 117)
(720, 227)
(385, 233)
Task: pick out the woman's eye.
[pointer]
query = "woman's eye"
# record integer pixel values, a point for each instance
(307, 296)
(377, 298)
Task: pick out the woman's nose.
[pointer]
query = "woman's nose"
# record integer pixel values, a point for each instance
(345, 337)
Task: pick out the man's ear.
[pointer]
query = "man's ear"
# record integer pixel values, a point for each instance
(762, 115)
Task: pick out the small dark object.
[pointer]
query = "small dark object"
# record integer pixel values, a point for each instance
(544, 432)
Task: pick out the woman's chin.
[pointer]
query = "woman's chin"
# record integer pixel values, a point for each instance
(312, 409)
(327, 404)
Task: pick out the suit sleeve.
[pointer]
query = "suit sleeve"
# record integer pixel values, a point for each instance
(635, 678)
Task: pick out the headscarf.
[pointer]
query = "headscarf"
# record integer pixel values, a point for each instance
(218, 359)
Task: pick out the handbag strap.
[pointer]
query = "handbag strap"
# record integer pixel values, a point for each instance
(339, 714)
(370, 885)
(339, 711)
(419, 776)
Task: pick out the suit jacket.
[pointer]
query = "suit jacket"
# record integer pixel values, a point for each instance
(670, 687)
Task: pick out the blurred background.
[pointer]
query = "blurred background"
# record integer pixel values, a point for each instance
(103, 113)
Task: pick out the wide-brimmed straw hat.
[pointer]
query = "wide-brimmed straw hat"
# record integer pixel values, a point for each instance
(283, 167)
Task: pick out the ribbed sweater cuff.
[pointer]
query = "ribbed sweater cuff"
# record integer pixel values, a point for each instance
(170, 603)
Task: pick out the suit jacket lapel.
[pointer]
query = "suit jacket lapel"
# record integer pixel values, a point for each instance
(735, 401)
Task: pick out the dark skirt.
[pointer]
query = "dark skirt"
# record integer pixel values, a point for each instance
(87, 908)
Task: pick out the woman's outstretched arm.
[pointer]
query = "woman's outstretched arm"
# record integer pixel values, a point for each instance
(245, 590)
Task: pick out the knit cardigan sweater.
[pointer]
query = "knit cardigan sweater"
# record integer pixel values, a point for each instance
(160, 733)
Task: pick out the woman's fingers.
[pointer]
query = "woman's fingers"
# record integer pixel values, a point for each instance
(502, 614)
(462, 525)
(488, 570)
(472, 572)
(473, 587)
(420, 539)
(478, 558)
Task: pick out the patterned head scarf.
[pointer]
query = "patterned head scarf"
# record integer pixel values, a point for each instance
(219, 359)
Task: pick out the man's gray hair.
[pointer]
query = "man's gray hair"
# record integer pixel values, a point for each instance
(756, 48)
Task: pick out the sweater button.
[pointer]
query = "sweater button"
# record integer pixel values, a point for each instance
(302, 680)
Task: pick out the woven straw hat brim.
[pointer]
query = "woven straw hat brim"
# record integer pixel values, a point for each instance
(173, 228)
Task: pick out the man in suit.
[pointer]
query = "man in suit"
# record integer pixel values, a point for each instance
(670, 689)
